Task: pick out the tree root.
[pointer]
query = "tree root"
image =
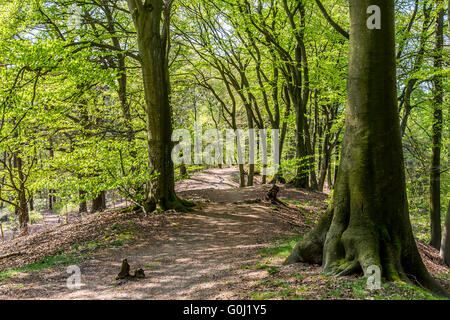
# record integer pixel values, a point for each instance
(179, 205)
(344, 268)
(310, 248)
(173, 203)
(343, 250)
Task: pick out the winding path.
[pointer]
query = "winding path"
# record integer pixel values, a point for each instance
(200, 255)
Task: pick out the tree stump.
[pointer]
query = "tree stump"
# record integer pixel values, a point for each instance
(139, 273)
(125, 272)
(272, 194)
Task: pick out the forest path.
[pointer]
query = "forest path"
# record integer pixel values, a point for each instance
(211, 253)
(199, 255)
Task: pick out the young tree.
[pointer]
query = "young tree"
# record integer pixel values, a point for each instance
(367, 222)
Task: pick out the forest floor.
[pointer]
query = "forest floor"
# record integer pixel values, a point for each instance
(231, 247)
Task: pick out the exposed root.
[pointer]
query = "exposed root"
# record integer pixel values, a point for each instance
(173, 203)
(343, 268)
(310, 248)
(179, 205)
(343, 250)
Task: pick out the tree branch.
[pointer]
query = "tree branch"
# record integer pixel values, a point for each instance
(330, 21)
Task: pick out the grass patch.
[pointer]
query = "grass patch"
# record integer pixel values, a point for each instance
(58, 260)
(281, 249)
(284, 294)
(244, 267)
(389, 290)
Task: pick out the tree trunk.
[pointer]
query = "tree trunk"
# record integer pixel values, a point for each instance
(23, 211)
(51, 200)
(241, 176)
(324, 164)
(435, 172)
(51, 197)
(367, 223)
(83, 204)
(22, 196)
(336, 165)
(99, 203)
(152, 39)
(31, 203)
(445, 244)
(329, 177)
(301, 177)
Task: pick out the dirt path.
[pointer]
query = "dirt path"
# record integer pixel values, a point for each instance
(209, 179)
(197, 261)
(213, 178)
(195, 256)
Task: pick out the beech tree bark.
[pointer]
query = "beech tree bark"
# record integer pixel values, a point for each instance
(152, 20)
(367, 222)
(435, 172)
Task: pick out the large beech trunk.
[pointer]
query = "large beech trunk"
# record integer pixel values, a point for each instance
(367, 222)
